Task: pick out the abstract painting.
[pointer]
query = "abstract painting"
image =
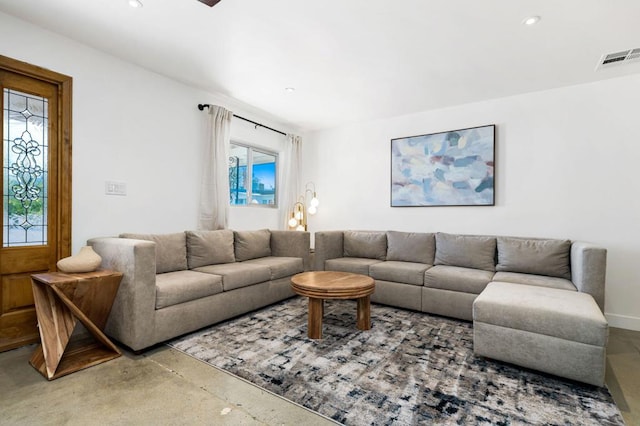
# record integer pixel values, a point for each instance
(454, 168)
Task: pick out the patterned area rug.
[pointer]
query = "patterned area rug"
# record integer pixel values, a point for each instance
(410, 368)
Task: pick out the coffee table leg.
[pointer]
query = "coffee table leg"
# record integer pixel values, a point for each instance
(364, 313)
(314, 327)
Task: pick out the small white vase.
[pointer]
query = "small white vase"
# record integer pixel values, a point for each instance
(86, 260)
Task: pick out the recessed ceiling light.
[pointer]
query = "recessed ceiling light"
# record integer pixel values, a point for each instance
(135, 3)
(289, 89)
(531, 20)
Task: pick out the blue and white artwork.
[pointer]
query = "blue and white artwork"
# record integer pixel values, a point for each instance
(453, 168)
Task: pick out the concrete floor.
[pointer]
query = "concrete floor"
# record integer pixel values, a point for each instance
(623, 372)
(164, 386)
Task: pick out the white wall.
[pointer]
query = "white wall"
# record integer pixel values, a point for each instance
(567, 167)
(134, 126)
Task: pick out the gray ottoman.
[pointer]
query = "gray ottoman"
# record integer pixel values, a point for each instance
(556, 331)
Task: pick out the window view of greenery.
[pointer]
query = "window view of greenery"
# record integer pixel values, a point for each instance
(259, 167)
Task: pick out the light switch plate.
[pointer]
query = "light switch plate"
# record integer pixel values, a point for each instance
(115, 188)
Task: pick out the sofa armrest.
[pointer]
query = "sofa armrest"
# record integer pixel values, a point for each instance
(292, 244)
(132, 318)
(329, 245)
(588, 270)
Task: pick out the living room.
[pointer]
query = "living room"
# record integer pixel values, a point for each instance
(565, 152)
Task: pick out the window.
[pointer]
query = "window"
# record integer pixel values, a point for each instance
(256, 166)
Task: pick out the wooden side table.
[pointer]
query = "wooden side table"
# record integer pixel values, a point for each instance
(61, 301)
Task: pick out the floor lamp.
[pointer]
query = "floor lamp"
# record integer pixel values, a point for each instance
(301, 209)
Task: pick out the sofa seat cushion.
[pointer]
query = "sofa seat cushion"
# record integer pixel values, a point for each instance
(537, 280)
(553, 312)
(399, 272)
(177, 287)
(455, 278)
(239, 274)
(280, 266)
(354, 265)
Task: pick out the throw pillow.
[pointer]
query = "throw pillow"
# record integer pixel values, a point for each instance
(366, 244)
(411, 247)
(252, 244)
(209, 248)
(467, 251)
(535, 256)
(171, 250)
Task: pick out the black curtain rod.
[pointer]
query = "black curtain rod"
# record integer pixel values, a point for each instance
(201, 107)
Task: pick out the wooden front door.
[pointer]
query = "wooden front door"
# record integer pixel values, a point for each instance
(36, 182)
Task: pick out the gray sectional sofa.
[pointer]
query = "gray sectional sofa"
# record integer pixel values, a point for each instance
(520, 292)
(443, 273)
(177, 283)
(537, 303)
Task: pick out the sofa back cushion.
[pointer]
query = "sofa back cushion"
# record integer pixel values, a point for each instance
(209, 248)
(365, 244)
(411, 247)
(467, 251)
(252, 244)
(535, 256)
(171, 250)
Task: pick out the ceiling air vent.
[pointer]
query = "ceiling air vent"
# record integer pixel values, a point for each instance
(619, 58)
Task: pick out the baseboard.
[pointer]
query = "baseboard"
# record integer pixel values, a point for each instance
(623, 321)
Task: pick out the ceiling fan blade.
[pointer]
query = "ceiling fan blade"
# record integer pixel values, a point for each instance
(209, 3)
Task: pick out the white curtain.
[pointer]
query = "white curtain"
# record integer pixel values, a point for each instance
(214, 189)
(290, 185)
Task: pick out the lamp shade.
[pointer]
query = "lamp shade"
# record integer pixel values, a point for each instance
(292, 222)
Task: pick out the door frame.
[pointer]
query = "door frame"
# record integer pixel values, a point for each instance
(64, 84)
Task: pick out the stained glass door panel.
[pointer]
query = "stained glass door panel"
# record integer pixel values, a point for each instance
(26, 132)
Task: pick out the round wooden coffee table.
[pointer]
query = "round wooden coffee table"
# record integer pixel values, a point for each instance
(321, 285)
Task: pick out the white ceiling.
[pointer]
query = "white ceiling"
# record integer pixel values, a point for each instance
(353, 60)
